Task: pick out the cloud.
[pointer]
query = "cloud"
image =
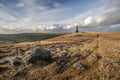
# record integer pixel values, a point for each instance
(55, 3)
(21, 4)
(7, 17)
(105, 18)
(109, 16)
(48, 16)
(29, 2)
(40, 8)
(1, 5)
(112, 3)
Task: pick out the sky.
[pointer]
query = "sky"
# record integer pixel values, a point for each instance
(38, 16)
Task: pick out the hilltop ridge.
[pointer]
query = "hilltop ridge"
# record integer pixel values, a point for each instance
(77, 56)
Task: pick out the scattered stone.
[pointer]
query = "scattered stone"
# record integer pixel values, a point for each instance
(19, 73)
(5, 51)
(78, 65)
(93, 58)
(97, 35)
(51, 46)
(63, 52)
(79, 57)
(116, 63)
(16, 62)
(38, 54)
(58, 49)
(5, 60)
(23, 49)
(1, 51)
(61, 61)
(2, 69)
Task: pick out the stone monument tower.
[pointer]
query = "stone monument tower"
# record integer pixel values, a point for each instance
(77, 29)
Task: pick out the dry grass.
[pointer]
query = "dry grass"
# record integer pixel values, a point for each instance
(77, 56)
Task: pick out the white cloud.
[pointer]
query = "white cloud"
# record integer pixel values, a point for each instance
(40, 8)
(1, 5)
(21, 4)
(55, 3)
(5, 16)
(36, 20)
(29, 2)
(104, 16)
(108, 17)
(89, 20)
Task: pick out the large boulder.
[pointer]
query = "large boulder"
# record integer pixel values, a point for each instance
(38, 54)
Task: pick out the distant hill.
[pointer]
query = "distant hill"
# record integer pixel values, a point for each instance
(26, 37)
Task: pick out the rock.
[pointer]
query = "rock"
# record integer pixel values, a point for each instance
(7, 50)
(19, 73)
(61, 61)
(3, 69)
(93, 58)
(23, 49)
(63, 52)
(5, 60)
(1, 51)
(16, 62)
(58, 49)
(51, 46)
(38, 54)
(78, 65)
(80, 57)
(116, 63)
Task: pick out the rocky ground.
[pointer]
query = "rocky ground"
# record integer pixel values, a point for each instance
(77, 56)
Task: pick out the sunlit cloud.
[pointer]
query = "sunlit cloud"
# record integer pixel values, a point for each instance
(59, 15)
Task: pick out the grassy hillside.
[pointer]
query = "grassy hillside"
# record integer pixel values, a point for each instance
(77, 56)
(16, 38)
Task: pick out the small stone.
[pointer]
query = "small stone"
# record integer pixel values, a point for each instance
(78, 65)
(5, 60)
(58, 49)
(61, 61)
(15, 61)
(19, 73)
(2, 69)
(79, 57)
(116, 63)
(93, 58)
(1, 51)
(22, 49)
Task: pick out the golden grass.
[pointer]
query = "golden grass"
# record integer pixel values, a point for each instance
(100, 52)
